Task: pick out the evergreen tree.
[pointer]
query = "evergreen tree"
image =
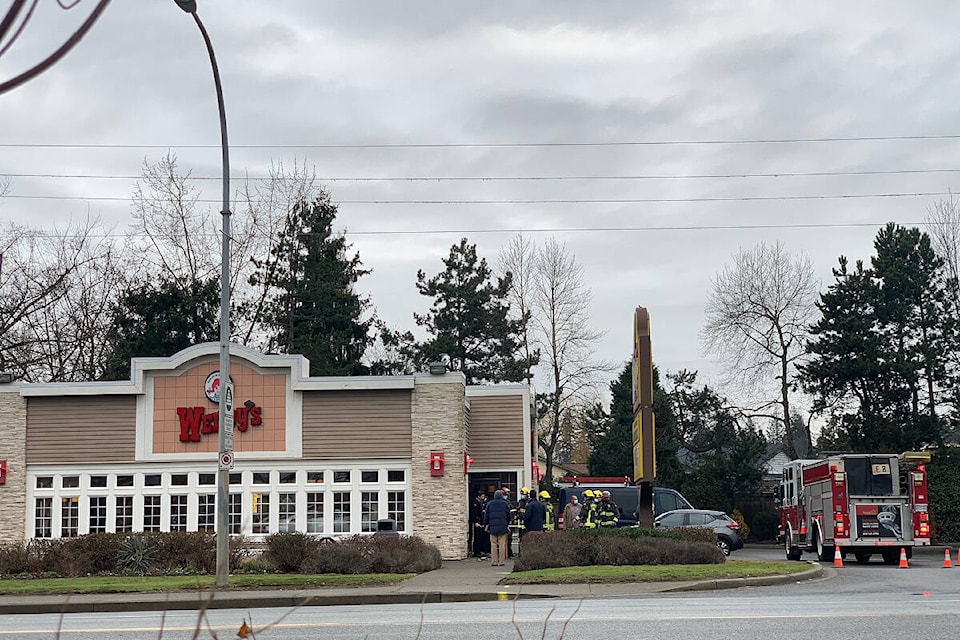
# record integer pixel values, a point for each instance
(314, 309)
(880, 352)
(469, 322)
(612, 433)
(160, 320)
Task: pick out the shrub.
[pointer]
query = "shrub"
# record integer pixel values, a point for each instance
(14, 560)
(137, 554)
(373, 554)
(287, 551)
(92, 553)
(765, 525)
(944, 490)
(256, 566)
(46, 556)
(618, 547)
(186, 552)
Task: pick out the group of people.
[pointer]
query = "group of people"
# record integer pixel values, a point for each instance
(493, 521)
(598, 510)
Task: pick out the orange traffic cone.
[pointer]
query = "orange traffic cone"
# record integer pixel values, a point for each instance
(837, 558)
(903, 558)
(946, 559)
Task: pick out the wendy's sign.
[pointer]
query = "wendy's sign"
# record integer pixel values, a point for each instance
(195, 421)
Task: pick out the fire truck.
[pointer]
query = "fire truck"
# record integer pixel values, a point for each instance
(863, 504)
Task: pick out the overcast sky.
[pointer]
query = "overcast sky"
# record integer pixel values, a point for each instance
(669, 109)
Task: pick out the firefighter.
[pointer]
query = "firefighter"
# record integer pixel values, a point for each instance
(521, 508)
(588, 515)
(550, 521)
(608, 513)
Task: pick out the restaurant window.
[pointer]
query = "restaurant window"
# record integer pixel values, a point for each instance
(206, 512)
(98, 482)
(369, 511)
(315, 477)
(125, 481)
(261, 477)
(44, 482)
(43, 518)
(369, 476)
(179, 480)
(69, 517)
(315, 513)
(288, 477)
(151, 513)
(395, 475)
(151, 480)
(71, 482)
(260, 513)
(124, 516)
(396, 508)
(98, 514)
(178, 513)
(235, 512)
(287, 511)
(341, 512)
(341, 476)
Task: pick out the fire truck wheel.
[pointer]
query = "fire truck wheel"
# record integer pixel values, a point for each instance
(862, 558)
(824, 553)
(890, 557)
(792, 552)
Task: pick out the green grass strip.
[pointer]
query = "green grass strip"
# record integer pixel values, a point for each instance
(655, 573)
(129, 584)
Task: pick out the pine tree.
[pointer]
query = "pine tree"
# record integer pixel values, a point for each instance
(314, 309)
(469, 322)
(159, 320)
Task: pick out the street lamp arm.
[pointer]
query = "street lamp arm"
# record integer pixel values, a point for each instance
(53, 58)
(223, 113)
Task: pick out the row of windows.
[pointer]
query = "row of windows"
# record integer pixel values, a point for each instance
(250, 514)
(260, 503)
(106, 481)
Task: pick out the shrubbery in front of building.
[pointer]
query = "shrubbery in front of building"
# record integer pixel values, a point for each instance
(627, 546)
(299, 553)
(181, 552)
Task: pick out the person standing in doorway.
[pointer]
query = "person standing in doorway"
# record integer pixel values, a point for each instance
(496, 521)
(481, 539)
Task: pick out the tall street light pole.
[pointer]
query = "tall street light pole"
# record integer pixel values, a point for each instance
(225, 431)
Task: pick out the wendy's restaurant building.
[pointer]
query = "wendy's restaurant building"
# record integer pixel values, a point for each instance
(326, 456)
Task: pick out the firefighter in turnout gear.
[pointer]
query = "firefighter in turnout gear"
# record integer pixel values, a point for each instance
(521, 508)
(608, 513)
(588, 515)
(550, 523)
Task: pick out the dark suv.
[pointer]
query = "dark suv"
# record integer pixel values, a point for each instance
(628, 500)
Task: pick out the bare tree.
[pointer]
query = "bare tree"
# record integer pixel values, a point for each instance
(554, 292)
(56, 293)
(519, 257)
(758, 313)
(943, 227)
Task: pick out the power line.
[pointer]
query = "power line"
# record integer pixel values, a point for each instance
(841, 196)
(486, 145)
(618, 229)
(776, 174)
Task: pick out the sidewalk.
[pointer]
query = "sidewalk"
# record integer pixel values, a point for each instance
(455, 581)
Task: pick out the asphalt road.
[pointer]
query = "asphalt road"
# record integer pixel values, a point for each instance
(852, 602)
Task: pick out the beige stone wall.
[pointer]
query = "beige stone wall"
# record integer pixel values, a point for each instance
(440, 503)
(13, 449)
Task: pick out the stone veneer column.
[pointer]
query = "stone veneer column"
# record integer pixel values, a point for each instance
(13, 449)
(439, 424)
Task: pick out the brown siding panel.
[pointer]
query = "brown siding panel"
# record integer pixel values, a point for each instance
(357, 424)
(81, 429)
(496, 431)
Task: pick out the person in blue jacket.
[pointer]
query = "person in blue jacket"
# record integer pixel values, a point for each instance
(535, 515)
(496, 520)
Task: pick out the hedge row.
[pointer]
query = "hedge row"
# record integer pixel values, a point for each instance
(626, 546)
(195, 553)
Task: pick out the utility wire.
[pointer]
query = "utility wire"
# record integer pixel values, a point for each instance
(618, 229)
(841, 196)
(484, 145)
(778, 174)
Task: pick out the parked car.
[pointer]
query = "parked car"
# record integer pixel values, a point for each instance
(726, 528)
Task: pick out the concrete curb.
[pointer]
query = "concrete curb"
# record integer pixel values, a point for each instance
(93, 603)
(815, 571)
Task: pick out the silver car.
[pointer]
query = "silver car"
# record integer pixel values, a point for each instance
(726, 528)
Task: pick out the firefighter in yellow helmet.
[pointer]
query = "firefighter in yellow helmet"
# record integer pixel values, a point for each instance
(588, 514)
(550, 520)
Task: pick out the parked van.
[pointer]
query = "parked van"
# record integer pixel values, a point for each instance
(628, 500)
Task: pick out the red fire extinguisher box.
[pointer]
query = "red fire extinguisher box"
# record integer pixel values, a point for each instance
(437, 463)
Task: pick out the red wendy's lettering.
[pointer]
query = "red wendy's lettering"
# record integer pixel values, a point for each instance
(195, 420)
